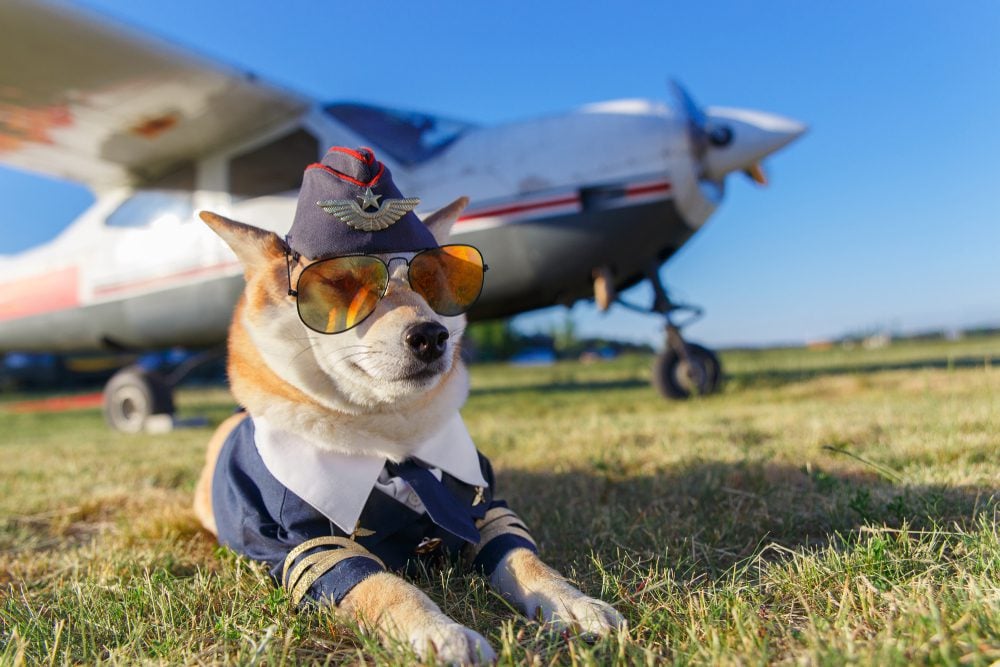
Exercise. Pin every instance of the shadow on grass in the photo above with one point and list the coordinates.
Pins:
(705, 517)
(740, 379)
(563, 385)
(782, 376)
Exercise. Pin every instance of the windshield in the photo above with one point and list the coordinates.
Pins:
(148, 207)
(409, 137)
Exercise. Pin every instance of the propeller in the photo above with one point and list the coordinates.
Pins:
(694, 118)
(704, 134)
(756, 173)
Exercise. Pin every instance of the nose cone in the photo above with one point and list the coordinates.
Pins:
(739, 138)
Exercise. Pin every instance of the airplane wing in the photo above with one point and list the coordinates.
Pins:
(91, 102)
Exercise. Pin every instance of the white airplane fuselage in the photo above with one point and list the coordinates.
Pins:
(615, 186)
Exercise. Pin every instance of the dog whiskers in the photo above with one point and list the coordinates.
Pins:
(351, 349)
(315, 345)
(356, 355)
(298, 354)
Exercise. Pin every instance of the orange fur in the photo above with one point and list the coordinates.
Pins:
(530, 570)
(251, 380)
(251, 244)
(384, 600)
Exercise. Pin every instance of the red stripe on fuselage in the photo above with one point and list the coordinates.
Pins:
(513, 209)
(521, 208)
(197, 272)
(54, 290)
(647, 189)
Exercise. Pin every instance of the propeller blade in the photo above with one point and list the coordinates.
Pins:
(694, 117)
(756, 173)
(691, 108)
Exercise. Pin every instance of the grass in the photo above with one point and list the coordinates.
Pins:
(828, 507)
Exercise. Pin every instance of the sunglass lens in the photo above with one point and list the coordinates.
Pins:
(450, 278)
(337, 294)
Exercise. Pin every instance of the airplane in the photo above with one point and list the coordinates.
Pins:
(580, 205)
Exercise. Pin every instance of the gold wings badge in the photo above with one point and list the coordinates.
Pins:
(355, 216)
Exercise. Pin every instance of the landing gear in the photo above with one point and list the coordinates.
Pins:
(136, 399)
(133, 396)
(683, 369)
(677, 377)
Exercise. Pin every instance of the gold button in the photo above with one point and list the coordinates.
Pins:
(427, 545)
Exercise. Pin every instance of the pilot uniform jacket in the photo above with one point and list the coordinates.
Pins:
(259, 517)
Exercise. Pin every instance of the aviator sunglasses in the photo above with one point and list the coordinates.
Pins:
(339, 293)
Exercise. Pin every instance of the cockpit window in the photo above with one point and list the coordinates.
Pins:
(407, 136)
(146, 207)
(274, 167)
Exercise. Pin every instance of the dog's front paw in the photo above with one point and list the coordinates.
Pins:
(438, 637)
(402, 614)
(561, 604)
(542, 592)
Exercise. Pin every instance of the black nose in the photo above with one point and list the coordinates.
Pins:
(427, 340)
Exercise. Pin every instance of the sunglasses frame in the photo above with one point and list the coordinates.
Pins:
(291, 255)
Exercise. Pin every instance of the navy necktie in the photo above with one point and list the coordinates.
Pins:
(442, 506)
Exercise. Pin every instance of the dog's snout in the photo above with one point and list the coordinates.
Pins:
(427, 340)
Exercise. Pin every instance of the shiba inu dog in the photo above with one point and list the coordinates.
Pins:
(351, 462)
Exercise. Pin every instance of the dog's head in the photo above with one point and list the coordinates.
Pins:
(402, 351)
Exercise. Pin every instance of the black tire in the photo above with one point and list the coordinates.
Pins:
(677, 380)
(132, 395)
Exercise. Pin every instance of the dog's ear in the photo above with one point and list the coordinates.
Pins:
(441, 221)
(254, 247)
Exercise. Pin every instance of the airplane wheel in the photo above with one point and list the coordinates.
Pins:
(132, 395)
(675, 378)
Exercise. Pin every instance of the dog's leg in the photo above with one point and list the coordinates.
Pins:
(399, 611)
(203, 492)
(538, 590)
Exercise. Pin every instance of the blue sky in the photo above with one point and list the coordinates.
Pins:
(885, 215)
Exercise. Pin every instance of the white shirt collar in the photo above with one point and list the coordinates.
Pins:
(338, 485)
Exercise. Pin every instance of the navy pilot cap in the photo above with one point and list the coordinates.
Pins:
(348, 204)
